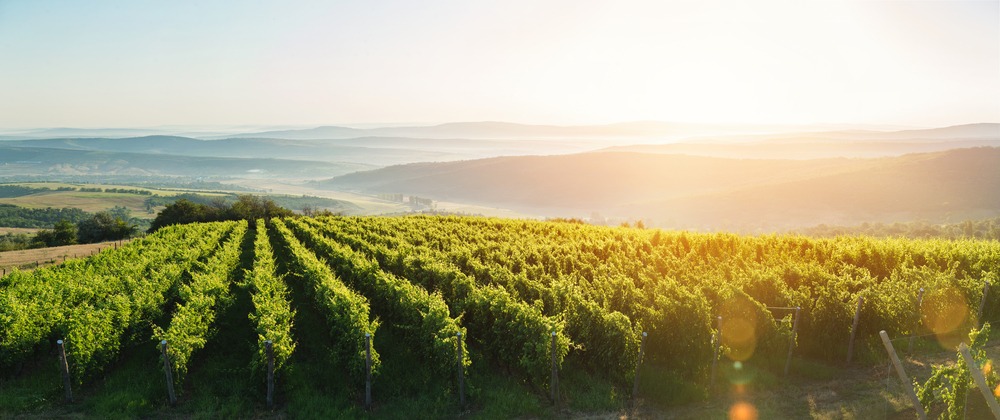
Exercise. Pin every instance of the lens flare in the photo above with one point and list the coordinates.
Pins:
(738, 328)
(943, 312)
(742, 411)
(740, 337)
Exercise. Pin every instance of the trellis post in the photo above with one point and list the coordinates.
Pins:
(791, 340)
(916, 319)
(902, 375)
(854, 329)
(64, 367)
(167, 372)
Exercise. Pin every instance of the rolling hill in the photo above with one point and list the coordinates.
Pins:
(20, 161)
(816, 145)
(706, 192)
(484, 130)
(377, 151)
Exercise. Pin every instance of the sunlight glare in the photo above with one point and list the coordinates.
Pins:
(738, 329)
(943, 312)
(742, 411)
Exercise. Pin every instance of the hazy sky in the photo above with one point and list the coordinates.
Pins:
(146, 63)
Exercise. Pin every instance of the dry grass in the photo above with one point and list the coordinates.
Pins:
(28, 259)
(29, 231)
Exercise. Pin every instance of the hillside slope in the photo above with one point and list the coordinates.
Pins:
(816, 145)
(690, 191)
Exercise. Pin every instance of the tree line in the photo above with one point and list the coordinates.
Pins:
(110, 225)
(246, 207)
(21, 217)
(969, 229)
(82, 227)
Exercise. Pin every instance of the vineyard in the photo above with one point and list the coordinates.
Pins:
(388, 316)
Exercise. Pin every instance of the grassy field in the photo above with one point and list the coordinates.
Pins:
(90, 201)
(87, 201)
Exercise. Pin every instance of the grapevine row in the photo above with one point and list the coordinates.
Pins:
(95, 303)
(346, 311)
(201, 298)
(662, 279)
(398, 300)
(515, 332)
(272, 314)
(610, 343)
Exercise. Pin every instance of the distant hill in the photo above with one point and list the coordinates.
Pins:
(980, 131)
(377, 151)
(966, 131)
(123, 132)
(817, 145)
(21, 161)
(244, 148)
(706, 192)
(807, 148)
(504, 130)
(88, 132)
(937, 187)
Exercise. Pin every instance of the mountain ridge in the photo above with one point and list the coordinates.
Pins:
(505, 130)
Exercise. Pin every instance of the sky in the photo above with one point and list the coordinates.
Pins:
(153, 63)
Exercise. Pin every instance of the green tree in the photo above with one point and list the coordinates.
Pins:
(246, 207)
(104, 227)
(121, 212)
(253, 207)
(64, 233)
(181, 212)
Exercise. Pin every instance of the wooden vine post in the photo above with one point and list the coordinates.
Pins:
(916, 319)
(791, 339)
(554, 381)
(902, 375)
(167, 372)
(461, 370)
(717, 341)
(368, 370)
(977, 376)
(638, 364)
(64, 367)
(269, 350)
(982, 303)
(854, 329)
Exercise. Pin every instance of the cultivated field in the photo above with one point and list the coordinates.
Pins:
(491, 318)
